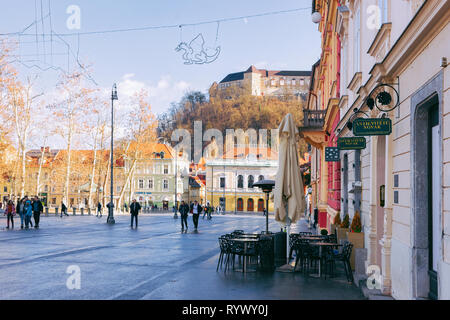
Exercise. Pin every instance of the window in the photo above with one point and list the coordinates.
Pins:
(281, 82)
(141, 184)
(222, 182)
(251, 180)
(118, 188)
(294, 82)
(150, 183)
(53, 200)
(302, 82)
(166, 169)
(272, 82)
(46, 176)
(240, 182)
(46, 188)
(383, 5)
(165, 184)
(5, 189)
(261, 178)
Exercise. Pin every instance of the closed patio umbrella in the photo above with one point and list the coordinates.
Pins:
(289, 200)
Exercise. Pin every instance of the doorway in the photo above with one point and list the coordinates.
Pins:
(250, 205)
(381, 183)
(427, 186)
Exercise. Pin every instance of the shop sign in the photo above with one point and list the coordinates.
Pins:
(353, 143)
(372, 127)
(332, 154)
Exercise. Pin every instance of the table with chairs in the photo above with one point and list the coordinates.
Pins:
(251, 249)
(315, 255)
(320, 253)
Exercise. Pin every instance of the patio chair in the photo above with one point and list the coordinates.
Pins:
(224, 252)
(344, 257)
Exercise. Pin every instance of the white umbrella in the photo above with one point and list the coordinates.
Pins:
(289, 200)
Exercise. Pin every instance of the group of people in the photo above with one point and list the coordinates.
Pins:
(195, 209)
(26, 208)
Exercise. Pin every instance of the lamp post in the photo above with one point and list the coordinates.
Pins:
(266, 186)
(110, 219)
(175, 216)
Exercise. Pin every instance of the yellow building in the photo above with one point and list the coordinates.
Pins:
(229, 179)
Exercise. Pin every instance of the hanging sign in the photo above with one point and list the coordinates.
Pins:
(353, 143)
(372, 127)
(332, 154)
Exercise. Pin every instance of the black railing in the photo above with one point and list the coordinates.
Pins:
(313, 118)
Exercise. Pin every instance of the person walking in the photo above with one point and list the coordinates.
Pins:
(206, 211)
(63, 209)
(184, 211)
(19, 209)
(38, 208)
(28, 212)
(10, 212)
(99, 209)
(196, 209)
(134, 209)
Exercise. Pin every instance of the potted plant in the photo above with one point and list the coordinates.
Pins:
(342, 230)
(355, 236)
(336, 223)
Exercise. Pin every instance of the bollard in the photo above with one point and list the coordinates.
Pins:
(82, 211)
(89, 211)
(46, 211)
(74, 211)
(56, 211)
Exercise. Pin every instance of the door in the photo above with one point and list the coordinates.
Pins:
(261, 205)
(381, 183)
(250, 205)
(240, 204)
(434, 234)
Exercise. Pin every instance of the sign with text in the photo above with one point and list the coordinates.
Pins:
(332, 154)
(372, 127)
(353, 143)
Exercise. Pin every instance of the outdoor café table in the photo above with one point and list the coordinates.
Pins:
(245, 241)
(321, 245)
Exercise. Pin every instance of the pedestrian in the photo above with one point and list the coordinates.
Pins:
(19, 209)
(99, 209)
(63, 209)
(38, 208)
(10, 212)
(174, 209)
(206, 211)
(196, 209)
(134, 209)
(28, 212)
(210, 211)
(184, 211)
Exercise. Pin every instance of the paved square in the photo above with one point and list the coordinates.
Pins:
(156, 261)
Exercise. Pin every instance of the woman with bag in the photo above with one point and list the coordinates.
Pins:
(10, 213)
(28, 213)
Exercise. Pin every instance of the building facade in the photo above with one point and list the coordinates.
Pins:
(270, 83)
(404, 176)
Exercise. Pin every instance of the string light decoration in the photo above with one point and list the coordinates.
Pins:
(194, 52)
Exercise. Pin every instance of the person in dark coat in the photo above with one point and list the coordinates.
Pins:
(38, 208)
(99, 209)
(134, 209)
(196, 209)
(63, 209)
(184, 211)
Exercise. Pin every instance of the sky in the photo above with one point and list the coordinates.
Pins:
(147, 58)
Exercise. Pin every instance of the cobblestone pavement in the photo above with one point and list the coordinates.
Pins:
(155, 261)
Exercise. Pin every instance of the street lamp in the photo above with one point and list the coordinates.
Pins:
(110, 219)
(266, 186)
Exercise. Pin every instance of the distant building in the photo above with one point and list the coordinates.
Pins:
(261, 82)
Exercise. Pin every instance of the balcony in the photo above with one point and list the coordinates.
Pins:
(313, 119)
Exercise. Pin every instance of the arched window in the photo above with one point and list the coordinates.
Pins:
(261, 178)
(240, 204)
(240, 183)
(250, 205)
(251, 180)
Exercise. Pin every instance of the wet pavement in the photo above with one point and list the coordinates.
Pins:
(155, 261)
